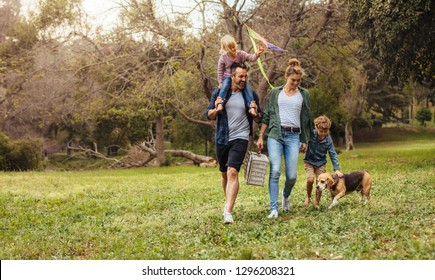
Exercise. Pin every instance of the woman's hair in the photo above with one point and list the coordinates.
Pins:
(322, 122)
(226, 42)
(294, 68)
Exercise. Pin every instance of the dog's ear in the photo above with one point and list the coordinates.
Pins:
(330, 182)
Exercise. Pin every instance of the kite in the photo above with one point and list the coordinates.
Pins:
(255, 36)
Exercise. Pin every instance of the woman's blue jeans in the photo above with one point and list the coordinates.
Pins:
(289, 147)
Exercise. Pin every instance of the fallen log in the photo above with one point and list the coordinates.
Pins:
(197, 159)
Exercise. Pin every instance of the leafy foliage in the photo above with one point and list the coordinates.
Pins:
(26, 155)
(400, 34)
(423, 115)
(119, 127)
(152, 73)
(21, 155)
(5, 149)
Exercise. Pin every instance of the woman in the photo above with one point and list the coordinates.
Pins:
(287, 123)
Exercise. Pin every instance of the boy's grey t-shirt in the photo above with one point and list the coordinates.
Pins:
(237, 120)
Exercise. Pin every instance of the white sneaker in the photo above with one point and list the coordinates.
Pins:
(228, 218)
(273, 214)
(285, 204)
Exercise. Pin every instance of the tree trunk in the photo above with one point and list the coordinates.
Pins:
(411, 112)
(197, 159)
(349, 136)
(160, 141)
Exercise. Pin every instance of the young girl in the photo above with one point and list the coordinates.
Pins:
(230, 55)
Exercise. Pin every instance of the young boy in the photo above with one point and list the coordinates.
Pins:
(315, 157)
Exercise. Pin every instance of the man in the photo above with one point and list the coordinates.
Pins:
(233, 129)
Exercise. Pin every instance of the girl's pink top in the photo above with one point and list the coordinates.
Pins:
(224, 63)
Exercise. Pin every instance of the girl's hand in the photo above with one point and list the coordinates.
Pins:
(218, 102)
(260, 50)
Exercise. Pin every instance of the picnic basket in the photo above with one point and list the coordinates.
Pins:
(256, 167)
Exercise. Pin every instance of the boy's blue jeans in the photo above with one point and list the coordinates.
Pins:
(226, 84)
(289, 147)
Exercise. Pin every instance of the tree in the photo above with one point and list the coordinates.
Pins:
(9, 13)
(398, 33)
(423, 115)
(37, 82)
(297, 26)
(386, 102)
(141, 82)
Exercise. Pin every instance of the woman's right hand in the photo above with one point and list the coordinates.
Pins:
(260, 144)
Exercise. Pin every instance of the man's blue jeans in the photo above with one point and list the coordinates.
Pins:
(289, 147)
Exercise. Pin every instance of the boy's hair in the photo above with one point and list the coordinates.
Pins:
(322, 122)
(227, 41)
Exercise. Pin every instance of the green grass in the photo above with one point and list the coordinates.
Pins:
(176, 213)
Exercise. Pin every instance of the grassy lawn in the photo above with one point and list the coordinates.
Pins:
(176, 213)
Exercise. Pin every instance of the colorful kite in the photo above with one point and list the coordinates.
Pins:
(255, 36)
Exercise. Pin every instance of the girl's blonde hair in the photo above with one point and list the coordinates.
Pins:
(294, 68)
(226, 42)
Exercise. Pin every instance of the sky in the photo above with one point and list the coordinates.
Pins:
(102, 12)
(105, 12)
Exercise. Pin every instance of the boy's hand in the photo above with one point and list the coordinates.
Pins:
(339, 174)
(303, 148)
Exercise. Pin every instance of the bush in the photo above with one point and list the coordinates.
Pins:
(423, 115)
(19, 156)
(5, 149)
(26, 155)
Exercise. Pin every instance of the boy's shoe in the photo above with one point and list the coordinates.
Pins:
(228, 218)
(285, 204)
(273, 214)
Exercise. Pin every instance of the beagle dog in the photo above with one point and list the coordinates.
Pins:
(359, 181)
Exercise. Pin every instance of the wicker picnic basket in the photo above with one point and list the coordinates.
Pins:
(256, 167)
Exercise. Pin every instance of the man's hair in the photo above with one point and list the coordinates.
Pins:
(236, 65)
(322, 122)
